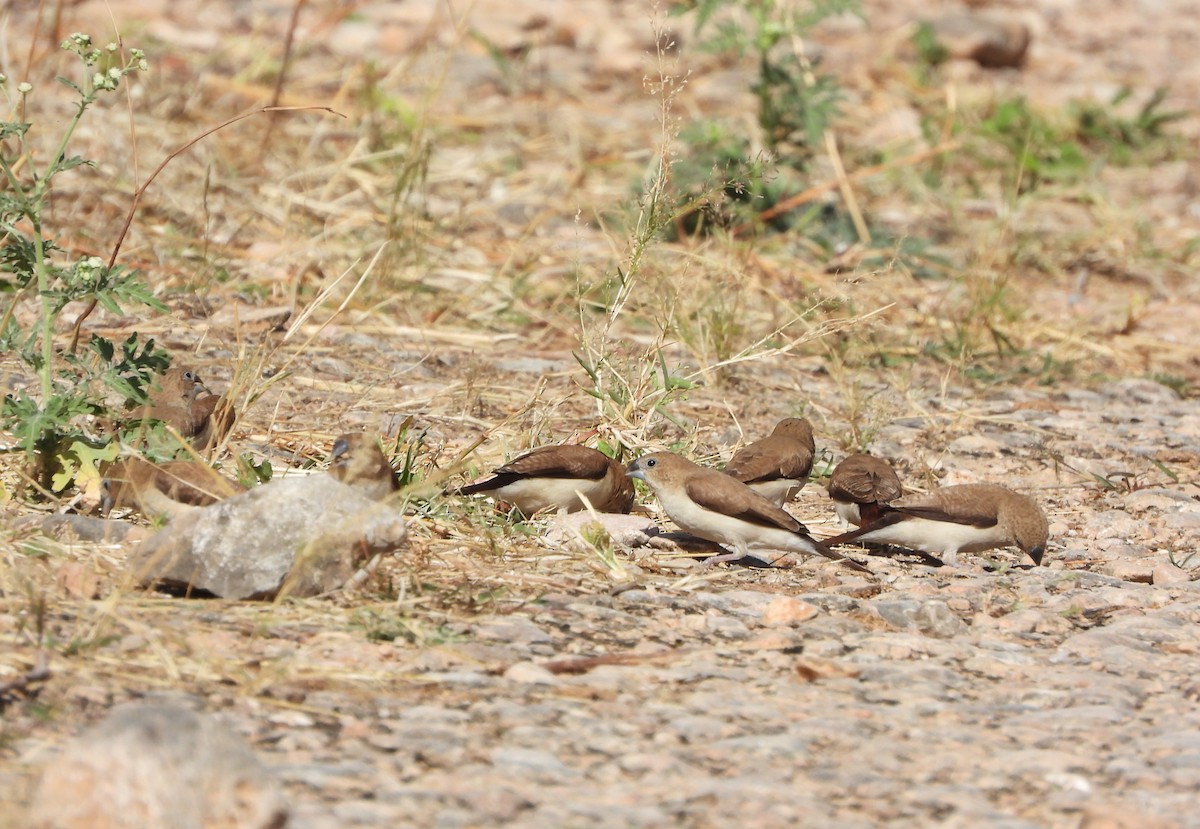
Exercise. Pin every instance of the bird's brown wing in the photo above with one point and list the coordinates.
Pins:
(957, 511)
(724, 494)
(863, 481)
(192, 483)
(566, 461)
(769, 459)
(212, 419)
(131, 481)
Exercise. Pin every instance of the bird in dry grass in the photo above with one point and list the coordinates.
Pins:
(180, 400)
(566, 478)
(163, 489)
(777, 466)
(357, 460)
(968, 518)
(860, 486)
(714, 506)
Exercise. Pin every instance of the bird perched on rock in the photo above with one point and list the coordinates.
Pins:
(163, 489)
(559, 478)
(860, 486)
(777, 466)
(180, 400)
(719, 508)
(356, 460)
(967, 518)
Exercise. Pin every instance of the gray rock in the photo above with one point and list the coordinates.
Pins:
(531, 761)
(1189, 520)
(67, 526)
(157, 766)
(977, 445)
(514, 629)
(932, 617)
(1141, 390)
(301, 536)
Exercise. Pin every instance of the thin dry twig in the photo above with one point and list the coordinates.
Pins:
(137, 194)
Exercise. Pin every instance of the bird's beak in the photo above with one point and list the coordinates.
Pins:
(635, 471)
(340, 447)
(1036, 554)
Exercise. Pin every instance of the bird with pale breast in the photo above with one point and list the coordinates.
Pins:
(778, 466)
(566, 478)
(180, 400)
(719, 508)
(968, 518)
(860, 486)
(165, 489)
(357, 460)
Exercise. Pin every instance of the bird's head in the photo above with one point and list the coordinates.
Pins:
(1030, 529)
(659, 468)
(357, 460)
(795, 428)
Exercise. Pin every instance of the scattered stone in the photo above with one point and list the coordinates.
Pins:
(786, 610)
(976, 445)
(72, 527)
(1145, 499)
(1169, 574)
(1141, 572)
(154, 766)
(932, 617)
(582, 528)
(530, 673)
(301, 536)
(513, 629)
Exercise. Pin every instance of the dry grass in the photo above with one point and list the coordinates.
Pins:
(447, 263)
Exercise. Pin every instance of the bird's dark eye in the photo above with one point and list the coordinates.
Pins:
(190, 376)
(651, 462)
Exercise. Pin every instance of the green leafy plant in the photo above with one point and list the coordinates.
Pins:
(1062, 147)
(47, 421)
(1123, 138)
(795, 102)
(722, 181)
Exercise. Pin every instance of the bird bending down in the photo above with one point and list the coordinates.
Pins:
(559, 478)
(860, 486)
(968, 518)
(778, 466)
(356, 460)
(714, 506)
(165, 489)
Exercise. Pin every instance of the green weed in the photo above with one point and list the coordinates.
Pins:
(48, 421)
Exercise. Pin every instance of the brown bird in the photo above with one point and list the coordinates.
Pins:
(719, 508)
(860, 486)
(163, 489)
(561, 478)
(356, 460)
(777, 466)
(967, 518)
(180, 400)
